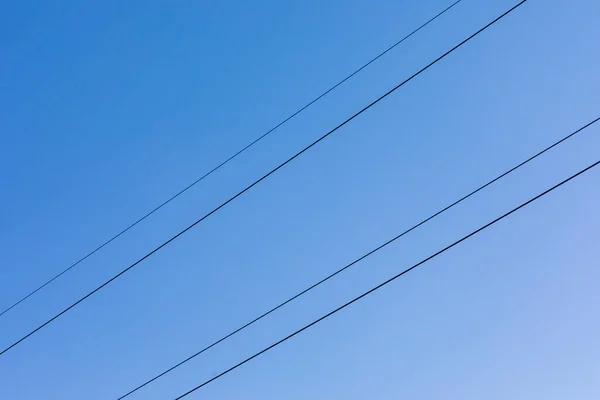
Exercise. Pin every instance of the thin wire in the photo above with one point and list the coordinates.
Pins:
(231, 157)
(264, 177)
(499, 177)
(389, 280)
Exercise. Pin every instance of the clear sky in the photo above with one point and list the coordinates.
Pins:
(107, 108)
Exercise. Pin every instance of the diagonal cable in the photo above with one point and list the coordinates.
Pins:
(389, 280)
(239, 152)
(289, 160)
(376, 249)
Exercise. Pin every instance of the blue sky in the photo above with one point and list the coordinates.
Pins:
(106, 109)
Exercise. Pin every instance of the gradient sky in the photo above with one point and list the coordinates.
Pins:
(107, 108)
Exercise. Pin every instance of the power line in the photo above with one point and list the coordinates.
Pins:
(262, 178)
(239, 152)
(360, 258)
(389, 280)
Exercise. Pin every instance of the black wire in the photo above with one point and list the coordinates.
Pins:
(360, 258)
(239, 152)
(389, 280)
(264, 177)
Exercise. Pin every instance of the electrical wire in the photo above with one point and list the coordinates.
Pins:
(263, 177)
(376, 249)
(239, 152)
(389, 280)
